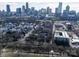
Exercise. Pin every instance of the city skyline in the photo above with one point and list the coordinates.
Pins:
(39, 28)
(39, 5)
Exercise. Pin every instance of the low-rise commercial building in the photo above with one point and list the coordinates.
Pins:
(61, 38)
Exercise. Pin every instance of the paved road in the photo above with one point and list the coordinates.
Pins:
(22, 40)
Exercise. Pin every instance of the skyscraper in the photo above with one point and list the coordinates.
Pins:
(27, 6)
(58, 10)
(72, 15)
(60, 7)
(23, 9)
(49, 11)
(66, 12)
(18, 11)
(8, 8)
(67, 8)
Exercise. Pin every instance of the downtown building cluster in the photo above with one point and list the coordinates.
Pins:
(67, 14)
(25, 10)
(42, 13)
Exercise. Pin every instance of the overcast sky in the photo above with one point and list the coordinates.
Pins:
(38, 4)
(39, 0)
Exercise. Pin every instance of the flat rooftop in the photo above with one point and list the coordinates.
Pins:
(62, 34)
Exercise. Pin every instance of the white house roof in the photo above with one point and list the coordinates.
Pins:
(62, 34)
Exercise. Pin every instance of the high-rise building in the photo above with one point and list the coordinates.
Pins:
(66, 12)
(58, 10)
(78, 16)
(67, 8)
(2, 13)
(43, 11)
(8, 8)
(60, 7)
(57, 14)
(49, 11)
(27, 6)
(23, 9)
(18, 11)
(32, 9)
(72, 15)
